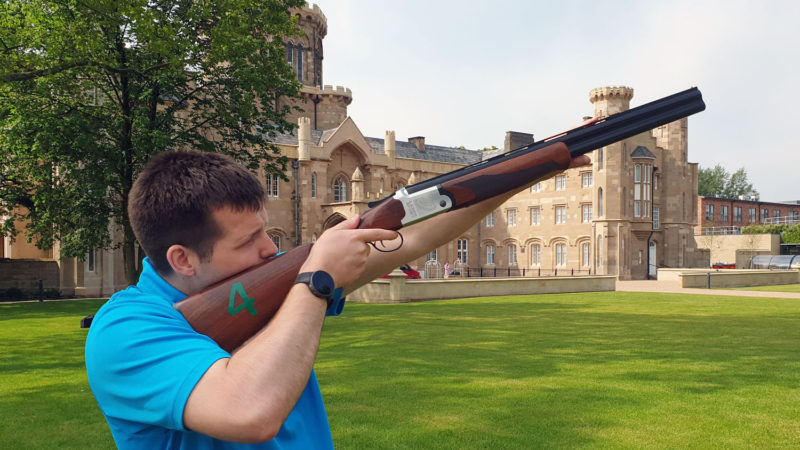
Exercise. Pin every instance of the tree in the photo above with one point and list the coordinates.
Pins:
(717, 182)
(91, 89)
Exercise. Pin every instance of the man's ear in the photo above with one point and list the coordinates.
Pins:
(182, 259)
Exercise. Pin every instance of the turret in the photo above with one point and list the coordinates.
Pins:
(610, 100)
(304, 139)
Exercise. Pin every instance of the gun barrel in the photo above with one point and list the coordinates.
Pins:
(597, 134)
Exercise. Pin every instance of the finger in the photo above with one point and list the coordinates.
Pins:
(375, 234)
(582, 160)
(348, 224)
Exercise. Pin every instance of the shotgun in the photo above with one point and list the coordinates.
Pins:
(260, 290)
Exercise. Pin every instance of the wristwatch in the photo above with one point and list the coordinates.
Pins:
(320, 283)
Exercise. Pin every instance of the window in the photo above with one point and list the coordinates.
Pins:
(512, 217)
(536, 255)
(300, 63)
(561, 214)
(776, 213)
(561, 182)
(90, 260)
(793, 215)
(655, 218)
(585, 254)
(764, 214)
(462, 250)
(490, 219)
(723, 213)
(490, 254)
(536, 215)
(586, 179)
(433, 256)
(586, 213)
(290, 53)
(737, 213)
(600, 202)
(536, 187)
(340, 190)
(752, 215)
(314, 185)
(512, 255)
(272, 185)
(641, 190)
(561, 255)
(710, 212)
(276, 239)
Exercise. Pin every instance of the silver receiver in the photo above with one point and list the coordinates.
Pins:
(422, 204)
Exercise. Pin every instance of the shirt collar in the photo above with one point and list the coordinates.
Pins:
(152, 283)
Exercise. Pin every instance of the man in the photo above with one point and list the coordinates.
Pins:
(200, 218)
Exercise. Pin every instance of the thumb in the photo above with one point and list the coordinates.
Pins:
(348, 224)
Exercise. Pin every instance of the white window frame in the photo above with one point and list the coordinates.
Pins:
(561, 182)
(273, 185)
(490, 254)
(561, 255)
(512, 255)
(511, 215)
(536, 255)
(561, 214)
(490, 219)
(587, 179)
(586, 213)
(536, 215)
(462, 246)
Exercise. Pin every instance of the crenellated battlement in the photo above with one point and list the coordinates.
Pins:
(312, 12)
(611, 93)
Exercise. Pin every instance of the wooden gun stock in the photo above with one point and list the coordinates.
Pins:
(235, 309)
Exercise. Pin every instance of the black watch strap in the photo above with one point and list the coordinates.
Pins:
(320, 283)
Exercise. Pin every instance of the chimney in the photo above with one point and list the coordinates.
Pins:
(516, 139)
(419, 141)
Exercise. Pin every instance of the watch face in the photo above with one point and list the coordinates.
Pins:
(322, 282)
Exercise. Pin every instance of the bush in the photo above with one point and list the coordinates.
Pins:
(12, 294)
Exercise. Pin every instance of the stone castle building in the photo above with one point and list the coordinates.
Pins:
(635, 204)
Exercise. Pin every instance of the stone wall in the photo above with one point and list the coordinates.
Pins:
(399, 290)
(24, 274)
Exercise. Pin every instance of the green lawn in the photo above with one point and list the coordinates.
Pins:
(612, 370)
(772, 288)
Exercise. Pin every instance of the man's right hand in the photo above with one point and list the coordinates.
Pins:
(342, 250)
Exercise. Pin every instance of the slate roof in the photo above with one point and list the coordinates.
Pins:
(403, 149)
(432, 152)
(642, 152)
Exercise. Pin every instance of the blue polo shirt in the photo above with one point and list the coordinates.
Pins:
(143, 359)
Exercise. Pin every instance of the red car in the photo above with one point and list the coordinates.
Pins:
(411, 274)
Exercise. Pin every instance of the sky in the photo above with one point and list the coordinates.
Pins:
(462, 73)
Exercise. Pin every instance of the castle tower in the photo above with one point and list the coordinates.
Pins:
(610, 100)
(325, 105)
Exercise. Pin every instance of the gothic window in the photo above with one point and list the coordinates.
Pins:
(599, 159)
(276, 239)
(314, 185)
(300, 63)
(585, 254)
(340, 189)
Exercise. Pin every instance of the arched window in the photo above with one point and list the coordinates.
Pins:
(276, 239)
(314, 185)
(600, 159)
(300, 63)
(289, 53)
(600, 202)
(340, 189)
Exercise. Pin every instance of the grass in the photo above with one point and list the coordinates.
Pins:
(772, 288)
(611, 370)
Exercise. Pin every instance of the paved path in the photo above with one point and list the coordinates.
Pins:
(675, 287)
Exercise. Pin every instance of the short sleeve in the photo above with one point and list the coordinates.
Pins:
(143, 360)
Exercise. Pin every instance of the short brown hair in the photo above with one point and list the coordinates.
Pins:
(173, 197)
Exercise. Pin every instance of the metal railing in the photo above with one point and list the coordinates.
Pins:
(787, 220)
(720, 231)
